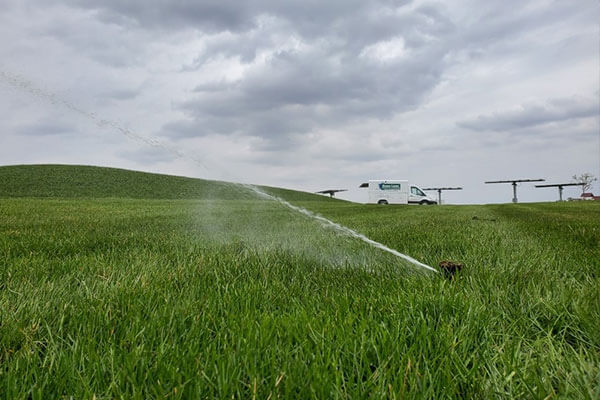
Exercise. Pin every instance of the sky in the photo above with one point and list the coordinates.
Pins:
(308, 95)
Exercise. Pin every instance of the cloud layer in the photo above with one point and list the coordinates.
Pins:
(308, 94)
(533, 115)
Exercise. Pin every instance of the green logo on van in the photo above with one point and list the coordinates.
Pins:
(389, 186)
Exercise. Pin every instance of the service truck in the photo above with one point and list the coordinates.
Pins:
(383, 191)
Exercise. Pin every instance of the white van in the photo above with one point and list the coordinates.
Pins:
(396, 192)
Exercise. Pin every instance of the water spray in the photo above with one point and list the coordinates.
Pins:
(340, 228)
(22, 84)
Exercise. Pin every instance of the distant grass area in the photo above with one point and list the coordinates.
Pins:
(77, 181)
(203, 298)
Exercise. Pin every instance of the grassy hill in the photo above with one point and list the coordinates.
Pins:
(122, 296)
(78, 181)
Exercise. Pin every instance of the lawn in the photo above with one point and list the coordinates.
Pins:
(118, 284)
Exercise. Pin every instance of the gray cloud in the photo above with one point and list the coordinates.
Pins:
(323, 65)
(352, 74)
(44, 127)
(122, 94)
(147, 155)
(227, 15)
(345, 33)
(532, 115)
(325, 62)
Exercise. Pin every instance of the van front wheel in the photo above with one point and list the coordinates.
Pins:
(382, 202)
(424, 203)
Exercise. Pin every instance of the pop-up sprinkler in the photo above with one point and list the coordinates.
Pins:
(450, 268)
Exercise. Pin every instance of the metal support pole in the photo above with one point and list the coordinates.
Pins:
(514, 184)
(560, 186)
(439, 190)
(560, 189)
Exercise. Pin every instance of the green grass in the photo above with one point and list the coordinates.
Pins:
(216, 294)
(77, 181)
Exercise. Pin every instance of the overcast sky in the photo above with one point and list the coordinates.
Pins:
(308, 94)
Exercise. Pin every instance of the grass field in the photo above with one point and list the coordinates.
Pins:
(118, 284)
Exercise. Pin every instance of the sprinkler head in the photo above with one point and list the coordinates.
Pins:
(450, 268)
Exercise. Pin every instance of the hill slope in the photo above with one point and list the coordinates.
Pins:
(77, 181)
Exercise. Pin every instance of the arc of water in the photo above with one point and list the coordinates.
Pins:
(340, 228)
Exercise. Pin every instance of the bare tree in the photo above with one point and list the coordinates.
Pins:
(586, 178)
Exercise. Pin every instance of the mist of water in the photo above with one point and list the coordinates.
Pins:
(340, 228)
(22, 84)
